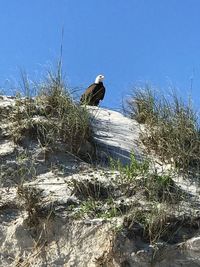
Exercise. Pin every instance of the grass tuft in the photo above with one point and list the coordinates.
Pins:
(52, 117)
(172, 127)
(139, 177)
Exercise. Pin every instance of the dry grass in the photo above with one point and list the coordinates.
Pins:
(52, 117)
(172, 127)
(31, 201)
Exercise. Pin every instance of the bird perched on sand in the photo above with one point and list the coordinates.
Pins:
(94, 93)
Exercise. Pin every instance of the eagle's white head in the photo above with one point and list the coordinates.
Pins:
(99, 78)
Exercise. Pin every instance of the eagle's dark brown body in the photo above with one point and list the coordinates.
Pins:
(93, 94)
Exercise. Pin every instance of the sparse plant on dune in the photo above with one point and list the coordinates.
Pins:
(172, 127)
(138, 176)
(31, 200)
(52, 116)
(143, 105)
(158, 217)
(130, 171)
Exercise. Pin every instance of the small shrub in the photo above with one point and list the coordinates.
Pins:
(88, 209)
(130, 171)
(31, 201)
(113, 209)
(106, 209)
(139, 177)
(161, 188)
(150, 224)
(91, 189)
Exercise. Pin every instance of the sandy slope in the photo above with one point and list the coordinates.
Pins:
(58, 241)
(116, 134)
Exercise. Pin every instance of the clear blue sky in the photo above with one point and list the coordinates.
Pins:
(129, 41)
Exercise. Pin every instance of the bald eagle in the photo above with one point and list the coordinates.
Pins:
(94, 93)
